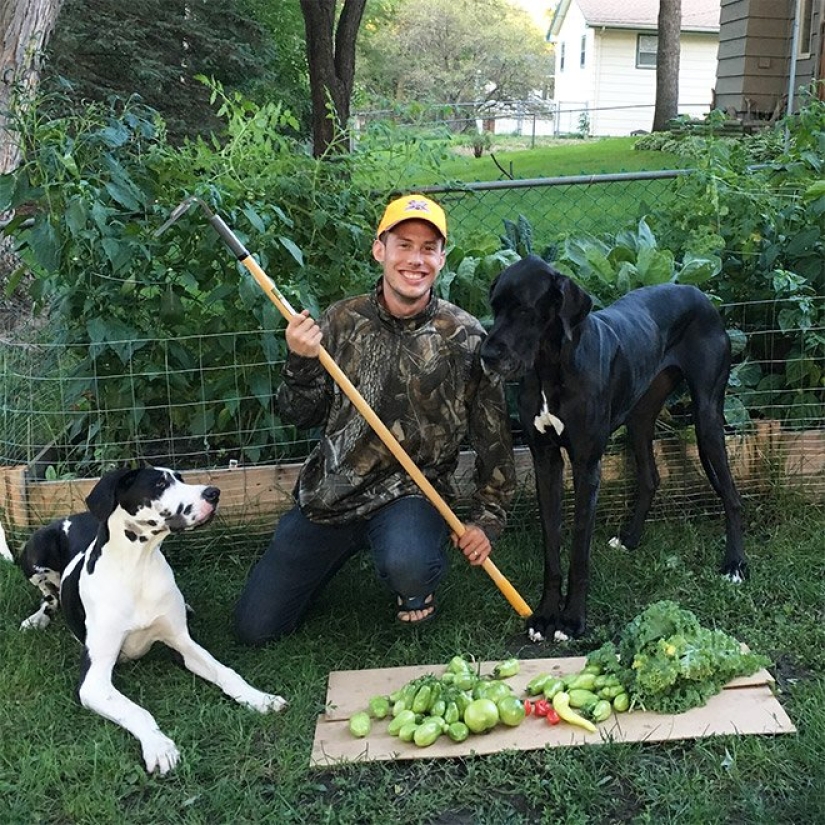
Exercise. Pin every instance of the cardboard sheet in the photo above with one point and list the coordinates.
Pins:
(745, 706)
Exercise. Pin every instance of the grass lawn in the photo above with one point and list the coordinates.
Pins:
(61, 764)
(554, 159)
(553, 211)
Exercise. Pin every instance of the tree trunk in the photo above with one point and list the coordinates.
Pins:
(25, 26)
(667, 64)
(331, 59)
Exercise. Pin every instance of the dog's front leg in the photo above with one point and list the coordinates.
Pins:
(549, 469)
(98, 694)
(202, 663)
(586, 482)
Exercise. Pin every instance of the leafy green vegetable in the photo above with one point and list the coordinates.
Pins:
(669, 663)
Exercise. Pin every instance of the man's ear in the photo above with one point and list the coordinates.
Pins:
(378, 250)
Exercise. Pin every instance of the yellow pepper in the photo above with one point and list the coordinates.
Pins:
(561, 704)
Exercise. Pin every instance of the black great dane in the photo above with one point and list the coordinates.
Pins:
(584, 374)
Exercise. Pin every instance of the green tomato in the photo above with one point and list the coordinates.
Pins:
(466, 680)
(621, 703)
(580, 698)
(458, 731)
(511, 710)
(601, 710)
(360, 724)
(427, 732)
(379, 707)
(490, 689)
(509, 667)
(407, 731)
(481, 715)
(458, 664)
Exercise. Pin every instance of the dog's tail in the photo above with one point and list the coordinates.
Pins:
(5, 552)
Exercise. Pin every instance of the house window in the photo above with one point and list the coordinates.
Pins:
(805, 24)
(583, 50)
(561, 57)
(647, 46)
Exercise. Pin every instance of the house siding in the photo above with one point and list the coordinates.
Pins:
(619, 98)
(575, 86)
(755, 39)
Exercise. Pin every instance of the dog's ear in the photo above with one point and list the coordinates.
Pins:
(575, 305)
(103, 498)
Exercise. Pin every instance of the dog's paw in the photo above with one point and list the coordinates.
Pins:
(159, 753)
(535, 635)
(616, 544)
(542, 629)
(736, 572)
(264, 702)
(37, 621)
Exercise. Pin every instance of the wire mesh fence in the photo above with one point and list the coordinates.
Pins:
(63, 422)
(556, 206)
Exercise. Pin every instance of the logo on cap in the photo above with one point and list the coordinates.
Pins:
(413, 207)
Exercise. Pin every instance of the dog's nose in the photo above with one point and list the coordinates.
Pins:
(212, 494)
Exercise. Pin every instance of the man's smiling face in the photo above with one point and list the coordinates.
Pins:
(412, 254)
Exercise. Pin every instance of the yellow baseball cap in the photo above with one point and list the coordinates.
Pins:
(413, 207)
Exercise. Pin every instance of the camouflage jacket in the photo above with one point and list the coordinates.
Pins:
(422, 376)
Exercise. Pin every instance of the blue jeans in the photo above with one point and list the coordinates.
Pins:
(408, 542)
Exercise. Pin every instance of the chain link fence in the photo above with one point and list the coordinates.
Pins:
(50, 450)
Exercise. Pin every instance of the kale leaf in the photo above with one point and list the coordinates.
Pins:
(669, 663)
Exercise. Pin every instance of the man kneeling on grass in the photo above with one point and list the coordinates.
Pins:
(415, 359)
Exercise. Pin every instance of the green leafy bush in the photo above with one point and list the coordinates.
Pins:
(169, 341)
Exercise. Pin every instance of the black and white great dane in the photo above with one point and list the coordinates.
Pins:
(118, 593)
(584, 374)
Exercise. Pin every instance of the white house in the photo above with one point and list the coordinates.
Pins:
(606, 63)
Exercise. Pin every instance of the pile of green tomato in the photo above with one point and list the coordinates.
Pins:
(457, 703)
(461, 701)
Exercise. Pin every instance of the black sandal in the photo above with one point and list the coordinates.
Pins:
(415, 603)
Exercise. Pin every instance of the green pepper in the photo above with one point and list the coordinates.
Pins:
(552, 687)
(536, 685)
(408, 693)
(582, 681)
(451, 712)
(360, 724)
(438, 708)
(398, 707)
(509, 667)
(462, 700)
(421, 700)
(406, 716)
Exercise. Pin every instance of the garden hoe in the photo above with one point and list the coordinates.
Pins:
(283, 306)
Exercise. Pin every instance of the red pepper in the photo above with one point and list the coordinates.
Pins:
(553, 717)
(541, 706)
(528, 707)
